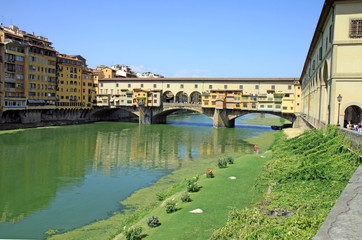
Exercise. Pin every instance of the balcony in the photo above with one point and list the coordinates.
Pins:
(10, 89)
(10, 80)
(14, 97)
(278, 99)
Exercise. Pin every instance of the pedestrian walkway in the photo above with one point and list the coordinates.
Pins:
(345, 219)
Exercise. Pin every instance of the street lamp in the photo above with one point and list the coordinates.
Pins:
(339, 99)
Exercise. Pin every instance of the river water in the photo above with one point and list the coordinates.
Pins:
(66, 177)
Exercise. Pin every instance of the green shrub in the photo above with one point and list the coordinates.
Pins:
(186, 197)
(133, 233)
(210, 173)
(191, 185)
(161, 196)
(171, 206)
(230, 160)
(222, 163)
(153, 222)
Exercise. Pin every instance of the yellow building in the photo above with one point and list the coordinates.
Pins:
(87, 89)
(220, 99)
(332, 74)
(69, 90)
(30, 74)
(41, 85)
(108, 72)
(96, 75)
(139, 97)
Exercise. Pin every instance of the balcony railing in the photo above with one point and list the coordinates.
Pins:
(10, 80)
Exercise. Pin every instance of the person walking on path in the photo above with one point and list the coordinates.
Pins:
(255, 148)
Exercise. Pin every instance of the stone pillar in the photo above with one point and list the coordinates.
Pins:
(30, 116)
(221, 119)
(145, 115)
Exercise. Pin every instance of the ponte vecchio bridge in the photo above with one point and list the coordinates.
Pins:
(221, 99)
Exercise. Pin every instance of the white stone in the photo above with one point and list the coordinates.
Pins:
(262, 156)
(197, 211)
(233, 178)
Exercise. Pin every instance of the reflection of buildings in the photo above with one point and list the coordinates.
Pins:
(162, 146)
(35, 164)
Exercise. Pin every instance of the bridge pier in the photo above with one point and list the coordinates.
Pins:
(146, 116)
(221, 119)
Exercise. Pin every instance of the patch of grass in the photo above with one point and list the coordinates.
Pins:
(307, 175)
(216, 198)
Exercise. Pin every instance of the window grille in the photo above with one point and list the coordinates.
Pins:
(355, 29)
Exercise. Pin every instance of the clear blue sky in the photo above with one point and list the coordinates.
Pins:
(188, 38)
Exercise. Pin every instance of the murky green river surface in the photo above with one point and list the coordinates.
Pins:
(66, 177)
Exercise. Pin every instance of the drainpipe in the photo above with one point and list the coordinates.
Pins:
(320, 86)
(331, 70)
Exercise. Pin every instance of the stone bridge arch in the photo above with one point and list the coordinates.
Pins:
(160, 115)
(106, 113)
(168, 97)
(289, 116)
(181, 97)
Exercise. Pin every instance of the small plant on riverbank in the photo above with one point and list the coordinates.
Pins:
(133, 233)
(153, 222)
(171, 206)
(222, 163)
(191, 185)
(210, 173)
(51, 232)
(186, 197)
(230, 160)
(161, 196)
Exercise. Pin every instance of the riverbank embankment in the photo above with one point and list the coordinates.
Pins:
(306, 175)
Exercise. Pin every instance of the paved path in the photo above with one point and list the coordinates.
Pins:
(293, 132)
(345, 219)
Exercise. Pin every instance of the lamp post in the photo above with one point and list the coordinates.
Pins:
(339, 99)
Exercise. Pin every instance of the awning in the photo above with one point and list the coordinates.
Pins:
(117, 100)
(111, 100)
(36, 101)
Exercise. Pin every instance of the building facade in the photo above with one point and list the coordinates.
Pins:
(28, 70)
(281, 94)
(69, 89)
(332, 73)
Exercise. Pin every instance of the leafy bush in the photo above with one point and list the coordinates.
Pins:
(153, 222)
(161, 196)
(191, 185)
(210, 173)
(222, 163)
(133, 233)
(186, 197)
(230, 160)
(171, 206)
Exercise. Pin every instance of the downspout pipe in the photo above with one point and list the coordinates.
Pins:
(331, 70)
